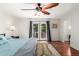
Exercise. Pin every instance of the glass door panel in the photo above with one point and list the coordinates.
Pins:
(35, 31)
(39, 30)
(43, 32)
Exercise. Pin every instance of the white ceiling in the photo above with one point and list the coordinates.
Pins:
(14, 9)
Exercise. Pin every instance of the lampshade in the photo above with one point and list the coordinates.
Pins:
(12, 28)
(69, 27)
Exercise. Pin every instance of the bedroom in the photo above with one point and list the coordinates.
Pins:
(15, 24)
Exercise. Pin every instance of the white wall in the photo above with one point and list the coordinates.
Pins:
(55, 32)
(75, 29)
(64, 31)
(5, 22)
(22, 26)
(72, 18)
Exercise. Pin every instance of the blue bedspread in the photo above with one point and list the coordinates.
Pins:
(13, 45)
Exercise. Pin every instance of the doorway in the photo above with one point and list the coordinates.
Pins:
(39, 30)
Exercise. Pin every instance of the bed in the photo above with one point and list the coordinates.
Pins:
(18, 47)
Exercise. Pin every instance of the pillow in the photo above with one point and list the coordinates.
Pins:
(3, 40)
(8, 38)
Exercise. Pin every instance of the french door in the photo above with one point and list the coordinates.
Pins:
(39, 30)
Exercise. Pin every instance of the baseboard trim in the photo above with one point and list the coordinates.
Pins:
(74, 48)
(53, 41)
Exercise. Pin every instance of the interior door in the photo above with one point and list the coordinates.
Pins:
(39, 30)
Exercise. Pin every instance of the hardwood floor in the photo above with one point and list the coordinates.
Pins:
(74, 52)
(64, 48)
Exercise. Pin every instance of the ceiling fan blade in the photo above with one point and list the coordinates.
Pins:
(27, 9)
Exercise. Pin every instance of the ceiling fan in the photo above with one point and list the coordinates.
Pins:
(37, 8)
(40, 8)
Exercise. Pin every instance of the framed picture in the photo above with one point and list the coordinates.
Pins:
(54, 26)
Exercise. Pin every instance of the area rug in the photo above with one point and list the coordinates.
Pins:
(46, 49)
